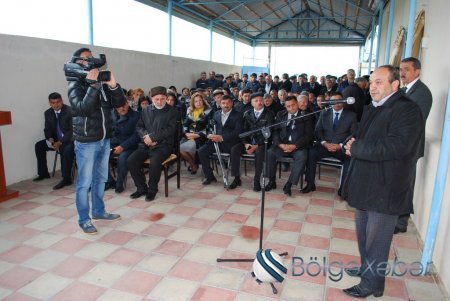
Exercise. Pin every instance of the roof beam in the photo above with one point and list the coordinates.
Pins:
(357, 14)
(347, 2)
(239, 16)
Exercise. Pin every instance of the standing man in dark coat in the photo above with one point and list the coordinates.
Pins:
(380, 179)
(58, 137)
(156, 128)
(421, 95)
(228, 124)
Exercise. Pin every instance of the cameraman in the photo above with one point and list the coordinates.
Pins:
(91, 103)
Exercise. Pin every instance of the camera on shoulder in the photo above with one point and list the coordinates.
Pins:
(78, 68)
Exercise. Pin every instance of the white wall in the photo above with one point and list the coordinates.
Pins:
(435, 73)
(31, 69)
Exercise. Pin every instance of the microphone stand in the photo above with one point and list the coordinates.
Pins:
(265, 131)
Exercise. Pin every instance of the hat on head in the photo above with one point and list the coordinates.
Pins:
(159, 90)
(293, 77)
(217, 92)
(257, 94)
(229, 77)
(254, 75)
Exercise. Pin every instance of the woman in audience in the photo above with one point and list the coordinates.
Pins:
(197, 118)
(144, 102)
(185, 96)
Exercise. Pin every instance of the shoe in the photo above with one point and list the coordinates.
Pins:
(193, 172)
(256, 186)
(40, 178)
(137, 194)
(399, 230)
(271, 185)
(107, 216)
(119, 189)
(88, 227)
(109, 185)
(309, 188)
(358, 292)
(287, 189)
(208, 181)
(353, 272)
(150, 196)
(236, 182)
(62, 184)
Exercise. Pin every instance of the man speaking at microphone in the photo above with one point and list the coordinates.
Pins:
(332, 128)
(380, 179)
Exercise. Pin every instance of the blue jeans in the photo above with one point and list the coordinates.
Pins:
(92, 162)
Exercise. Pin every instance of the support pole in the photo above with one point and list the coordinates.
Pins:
(380, 27)
(210, 40)
(269, 63)
(410, 33)
(438, 192)
(169, 13)
(387, 53)
(254, 50)
(371, 45)
(91, 23)
(234, 48)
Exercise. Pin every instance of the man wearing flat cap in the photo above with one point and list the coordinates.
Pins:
(254, 119)
(156, 129)
(217, 97)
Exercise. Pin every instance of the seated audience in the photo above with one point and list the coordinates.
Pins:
(332, 129)
(271, 105)
(254, 119)
(244, 105)
(123, 142)
(156, 129)
(228, 123)
(58, 137)
(195, 124)
(144, 101)
(290, 139)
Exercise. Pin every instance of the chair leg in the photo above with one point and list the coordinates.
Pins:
(166, 181)
(279, 170)
(320, 165)
(178, 176)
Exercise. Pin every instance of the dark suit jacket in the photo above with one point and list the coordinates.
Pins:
(65, 123)
(302, 134)
(266, 118)
(286, 85)
(316, 89)
(231, 129)
(421, 95)
(352, 90)
(346, 126)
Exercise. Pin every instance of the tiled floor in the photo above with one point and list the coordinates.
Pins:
(44, 255)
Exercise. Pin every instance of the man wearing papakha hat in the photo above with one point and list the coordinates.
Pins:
(254, 119)
(156, 128)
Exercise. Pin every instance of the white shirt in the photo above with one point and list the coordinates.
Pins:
(408, 86)
(255, 112)
(225, 116)
(290, 116)
(381, 102)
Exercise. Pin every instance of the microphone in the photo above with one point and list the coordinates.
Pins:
(349, 100)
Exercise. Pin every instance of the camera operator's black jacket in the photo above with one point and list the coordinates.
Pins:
(91, 112)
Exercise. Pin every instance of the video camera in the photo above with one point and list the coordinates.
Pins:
(74, 70)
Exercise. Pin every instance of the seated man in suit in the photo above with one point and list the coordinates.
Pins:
(58, 137)
(229, 124)
(290, 139)
(254, 144)
(156, 128)
(333, 127)
(123, 142)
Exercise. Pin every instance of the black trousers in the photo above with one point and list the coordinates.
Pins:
(67, 153)
(134, 162)
(237, 151)
(318, 152)
(374, 232)
(205, 151)
(299, 157)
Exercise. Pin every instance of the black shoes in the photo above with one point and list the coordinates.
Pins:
(309, 188)
(257, 186)
(271, 185)
(359, 292)
(208, 181)
(109, 185)
(287, 189)
(40, 178)
(119, 189)
(236, 182)
(138, 194)
(353, 272)
(150, 196)
(62, 184)
(399, 230)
